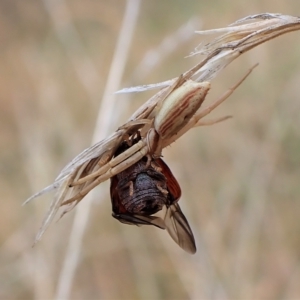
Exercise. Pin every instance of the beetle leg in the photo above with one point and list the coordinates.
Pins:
(130, 183)
(127, 139)
(163, 191)
(126, 183)
(156, 167)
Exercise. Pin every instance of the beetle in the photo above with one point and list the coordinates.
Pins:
(144, 189)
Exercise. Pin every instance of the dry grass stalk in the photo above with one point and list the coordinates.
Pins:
(97, 162)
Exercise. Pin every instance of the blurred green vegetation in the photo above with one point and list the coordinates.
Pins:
(240, 179)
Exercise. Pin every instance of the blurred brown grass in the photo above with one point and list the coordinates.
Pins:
(240, 179)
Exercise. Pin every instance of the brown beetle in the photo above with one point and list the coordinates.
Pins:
(144, 189)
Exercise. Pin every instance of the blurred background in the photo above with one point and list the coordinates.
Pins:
(240, 178)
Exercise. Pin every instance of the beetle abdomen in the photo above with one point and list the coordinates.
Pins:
(147, 197)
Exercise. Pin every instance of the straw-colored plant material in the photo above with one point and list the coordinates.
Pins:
(97, 163)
